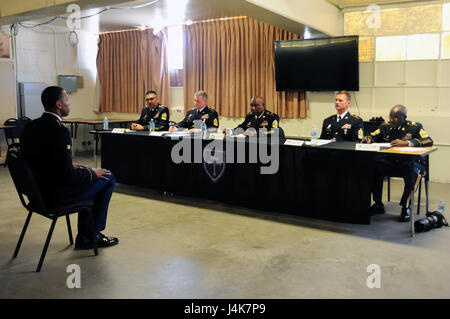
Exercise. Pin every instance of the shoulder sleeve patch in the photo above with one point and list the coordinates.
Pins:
(423, 134)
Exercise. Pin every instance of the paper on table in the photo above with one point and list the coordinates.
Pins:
(319, 142)
(159, 133)
(383, 144)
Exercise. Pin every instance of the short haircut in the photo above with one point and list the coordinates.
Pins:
(151, 92)
(202, 94)
(346, 93)
(50, 96)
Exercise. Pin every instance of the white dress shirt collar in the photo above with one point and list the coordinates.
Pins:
(57, 116)
(342, 115)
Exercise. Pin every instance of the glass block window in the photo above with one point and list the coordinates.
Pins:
(393, 21)
(445, 52)
(366, 47)
(422, 47)
(391, 48)
(446, 17)
(422, 19)
(356, 23)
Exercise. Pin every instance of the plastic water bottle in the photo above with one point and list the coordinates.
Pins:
(105, 123)
(314, 135)
(152, 126)
(204, 129)
(441, 206)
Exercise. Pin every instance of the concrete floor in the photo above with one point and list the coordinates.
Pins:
(174, 247)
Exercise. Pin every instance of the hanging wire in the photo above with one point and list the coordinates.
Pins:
(73, 36)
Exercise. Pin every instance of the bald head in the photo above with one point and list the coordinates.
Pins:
(257, 105)
(397, 115)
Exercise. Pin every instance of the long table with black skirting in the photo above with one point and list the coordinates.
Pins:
(326, 182)
(330, 182)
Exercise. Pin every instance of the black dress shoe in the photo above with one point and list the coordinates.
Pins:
(377, 209)
(104, 241)
(84, 242)
(405, 216)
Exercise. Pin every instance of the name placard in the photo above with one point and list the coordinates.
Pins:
(294, 142)
(367, 147)
(217, 136)
(118, 130)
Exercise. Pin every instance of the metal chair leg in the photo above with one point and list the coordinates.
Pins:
(389, 189)
(418, 198)
(69, 229)
(24, 229)
(93, 232)
(47, 242)
(426, 194)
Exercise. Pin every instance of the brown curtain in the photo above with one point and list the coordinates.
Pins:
(129, 63)
(233, 60)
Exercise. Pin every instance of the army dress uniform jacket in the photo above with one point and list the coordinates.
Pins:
(209, 115)
(160, 116)
(350, 128)
(46, 146)
(267, 120)
(412, 131)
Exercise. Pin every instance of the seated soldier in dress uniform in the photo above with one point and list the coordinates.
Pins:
(258, 118)
(342, 126)
(200, 112)
(399, 132)
(47, 148)
(152, 110)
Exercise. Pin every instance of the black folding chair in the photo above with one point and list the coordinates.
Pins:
(27, 188)
(15, 132)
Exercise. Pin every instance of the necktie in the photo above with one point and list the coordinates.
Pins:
(338, 118)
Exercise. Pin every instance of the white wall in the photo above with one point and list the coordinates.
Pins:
(8, 100)
(45, 53)
(317, 14)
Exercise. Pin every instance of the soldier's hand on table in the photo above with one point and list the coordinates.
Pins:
(366, 140)
(79, 165)
(250, 132)
(172, 129)
(398, 143)
(194, 130)
(137, 127)
(102, 173)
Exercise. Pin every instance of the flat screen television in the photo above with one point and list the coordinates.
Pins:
(325, 64)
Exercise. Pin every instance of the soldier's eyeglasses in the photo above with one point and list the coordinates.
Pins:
(150, 99)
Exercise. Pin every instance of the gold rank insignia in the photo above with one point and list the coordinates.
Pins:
(206, 116)
(249, 123)
(275, 124)
(360, 134)
(164, 116)
(423, 134)
(215, 123)
(403, 128)
(68, 147)
(375, 132)
(190, 115)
